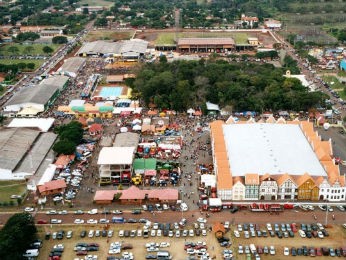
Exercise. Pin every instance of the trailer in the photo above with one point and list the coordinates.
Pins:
(266, 207)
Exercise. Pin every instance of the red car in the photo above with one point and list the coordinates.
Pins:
(82, 253)
(42, 221)
(55, 257)
(294, 227)
(94, 244)
(318, 251)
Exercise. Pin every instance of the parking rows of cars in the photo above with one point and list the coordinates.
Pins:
(197, 250)
(56, 252)
(83, 248)
(315, 251)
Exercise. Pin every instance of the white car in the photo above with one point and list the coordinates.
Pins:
(236, 233)
(51, 212)
(171, 234)
(92, 221)
(103, 221)
(91, 233)
(272, 250)
(204, 232)
(201, 225)
(191, 233)
(302, 233)
(92, 212)
(190, 251)
(177, 233)
(240, 249)
(139, 232)
(62, 212)
(155, 226)
(159, 233)
(202, 220)
(226, 225)
(153, 233)
(240, 228)
(320, 234)
(29, 209)
(184, 207)
(69, 234)
(341, 208)
(79, 221)
(121, 233)
(286, 251)
(165, 244)
(55, 221)
(269, 227)
(165, 207)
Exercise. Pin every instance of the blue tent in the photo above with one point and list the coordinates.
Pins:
(343, 65)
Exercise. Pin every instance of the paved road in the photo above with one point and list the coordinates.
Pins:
(288, 216)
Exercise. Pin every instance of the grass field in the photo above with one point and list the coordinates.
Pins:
(335, 84)
(97, 2)
(26, 49)
(37, 63)
(168, 38)
(108, 35)
(8, 188)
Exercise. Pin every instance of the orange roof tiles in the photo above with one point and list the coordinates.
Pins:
(238, 179)
(251, 179)
(64, 160)
(303, 178)
(284, 178)
(322, 155)
(52, 185)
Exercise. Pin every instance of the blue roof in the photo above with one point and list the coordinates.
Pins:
(343, 65)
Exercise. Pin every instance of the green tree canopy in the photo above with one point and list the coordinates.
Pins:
(179, 85)
(64, 147)
(47, 50)
(31, 36)
(59, 40)
(72, 132)
(16, 236)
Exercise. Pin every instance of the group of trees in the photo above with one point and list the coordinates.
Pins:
(27, 36)
(16, 236)
(70, 135)
(28, 50)
(244, 86)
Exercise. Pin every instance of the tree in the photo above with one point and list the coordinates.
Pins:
(31, 36)
(13, 49)
(59, 40)
(64, 147)
(101, 22)
(85, 10)
(30, 66)
(47, 50)
(28, 49)
(16, 236)
(72, 131)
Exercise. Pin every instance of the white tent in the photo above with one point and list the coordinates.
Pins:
(190, 111)
(136, 128)
(123, 129)
(136, 121)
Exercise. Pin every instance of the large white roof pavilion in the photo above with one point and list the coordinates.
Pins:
(270, 148)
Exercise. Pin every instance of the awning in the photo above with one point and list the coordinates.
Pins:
(150, 172)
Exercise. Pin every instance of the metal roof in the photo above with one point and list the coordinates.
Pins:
(73, 64)
(40, 93)
(14, 143)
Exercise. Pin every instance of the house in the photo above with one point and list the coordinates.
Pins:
(253, 41)
(268, 189)
(115, 163)
(249, 20)
(95, 129)
(335, 191)
(64, 160)
(238, 188)
(307, 189)
(52, 187)
(251, 186)
(272, 24)
(52, 32)
(287, 188)
(136, 196)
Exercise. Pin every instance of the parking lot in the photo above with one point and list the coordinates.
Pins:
(108, 237)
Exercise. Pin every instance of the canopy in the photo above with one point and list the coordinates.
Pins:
(136, 128)
(190, 111)
(136, 121)
(123, 129)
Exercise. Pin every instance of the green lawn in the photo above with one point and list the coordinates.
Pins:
(108, 35)
(32, 49)
(8, 188)
(168, 38)
(339, 87)
(96, 2)
(37, 63)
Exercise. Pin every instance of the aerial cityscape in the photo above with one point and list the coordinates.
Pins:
(185, 130)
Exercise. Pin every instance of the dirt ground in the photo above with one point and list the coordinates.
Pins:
(336, 239)
(176, 244)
